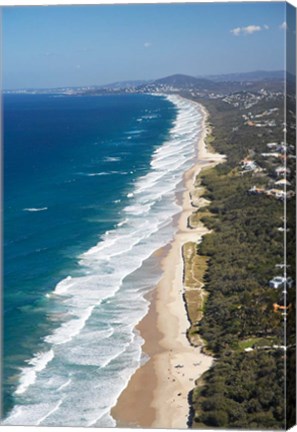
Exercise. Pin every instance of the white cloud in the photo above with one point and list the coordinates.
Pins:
(236, 31)
(147, 44)
(266, 27)
(251, 29)
(248, 30)
(283, 26)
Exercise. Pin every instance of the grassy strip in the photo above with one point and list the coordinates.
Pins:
(194, 296)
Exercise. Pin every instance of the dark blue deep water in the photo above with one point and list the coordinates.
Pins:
(76, 197)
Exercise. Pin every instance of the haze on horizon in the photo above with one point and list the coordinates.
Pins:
(59, 46)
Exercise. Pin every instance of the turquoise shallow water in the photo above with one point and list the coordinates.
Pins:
(89, 186)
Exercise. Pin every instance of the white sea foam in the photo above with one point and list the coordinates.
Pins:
(105, 173)
(123, 222)
(33, 209)
(63, 286)
(150, 116)
(134, 132)
(65, 384)
(69, 329)
(52, 411)
(36, 364)
(100, 310)
(112, 159)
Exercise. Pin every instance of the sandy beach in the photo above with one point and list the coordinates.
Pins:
(157, 394)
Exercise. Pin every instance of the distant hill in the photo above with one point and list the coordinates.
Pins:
(247, 76)
(180, 82)
(124, 84)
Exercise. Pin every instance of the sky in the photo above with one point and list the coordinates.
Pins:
(57, 46)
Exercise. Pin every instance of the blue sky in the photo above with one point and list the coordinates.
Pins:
(85, 45)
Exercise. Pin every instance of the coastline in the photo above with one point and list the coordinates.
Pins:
(157, 394)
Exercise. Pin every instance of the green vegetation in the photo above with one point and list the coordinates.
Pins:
(244, 389)
(291, 259)
(230, 398)
(244, 248)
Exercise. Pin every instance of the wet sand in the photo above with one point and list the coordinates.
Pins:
(157, 394)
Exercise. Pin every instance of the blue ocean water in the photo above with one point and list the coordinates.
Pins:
(89, 195)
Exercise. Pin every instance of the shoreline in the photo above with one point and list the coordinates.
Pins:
(157, 394)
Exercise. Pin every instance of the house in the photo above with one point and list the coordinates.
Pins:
(248, 165)
(277, 282)
(270, 155)
(282, 148)
(277, 193)
(277, 307)
(281, 170)
(255, 191)
(280, 282)
(282, 229)
(272, 145)
(283, 182)
(282, 347)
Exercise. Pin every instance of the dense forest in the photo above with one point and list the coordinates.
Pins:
(241, 326)
(291, 260)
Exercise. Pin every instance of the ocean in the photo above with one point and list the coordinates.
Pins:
(89, 195)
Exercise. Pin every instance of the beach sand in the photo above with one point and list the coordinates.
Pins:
(157, 394)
